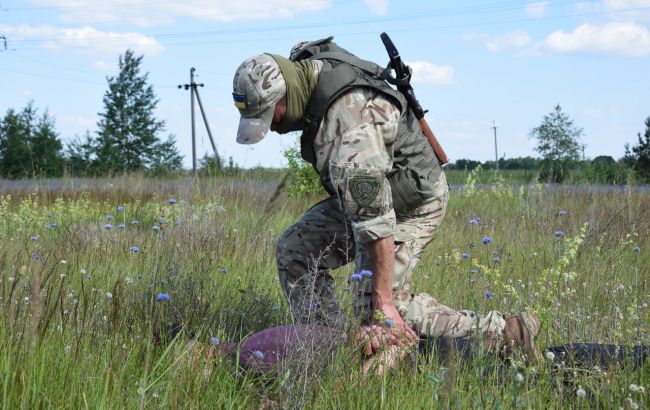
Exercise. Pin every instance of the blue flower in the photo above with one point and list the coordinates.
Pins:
(120, 208)
(171, 201)
(559, 233)
(390, 323)
(162, 221)
(496, 259)
(35, 238)
(162, 297)
(488, 294)
(486, 240)
(636, 249)
(365, 273)
(474, 221)
(177, 223)
(355, 277)
(108, 226)
(472, 280)
(134, 249)
(467, 255)
(562, 212)
(223, 270)
(155, 228)
(121, 226)
(275, 308)
(36, 256)
(258, 355)
(54, 225)
(215, 340)
(473, 271)
(134, 222)
(109, 217)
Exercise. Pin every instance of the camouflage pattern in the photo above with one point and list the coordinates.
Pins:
(258, 85)
(428, 317)
(354, 155)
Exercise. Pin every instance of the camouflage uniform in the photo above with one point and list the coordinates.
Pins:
(354, 140)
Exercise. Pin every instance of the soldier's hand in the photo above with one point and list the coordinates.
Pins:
(394, 321)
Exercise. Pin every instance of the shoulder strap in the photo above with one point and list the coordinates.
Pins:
(365, 65)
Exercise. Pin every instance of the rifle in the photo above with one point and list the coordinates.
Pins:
(402, 81)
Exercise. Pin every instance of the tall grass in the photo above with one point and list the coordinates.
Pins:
(81, 326)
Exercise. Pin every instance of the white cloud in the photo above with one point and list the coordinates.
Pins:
(377, 6)
(84, 39)
(611, 38)
(536, 9)
(431, 74)
(157, 13)
(102, 65)
(26, 93)
(80, 121)
(515, 39)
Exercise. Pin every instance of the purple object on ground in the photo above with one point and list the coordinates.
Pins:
(275, 344)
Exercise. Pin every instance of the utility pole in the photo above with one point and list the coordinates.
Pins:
(193, 87)
(496, 155)
(4, 40)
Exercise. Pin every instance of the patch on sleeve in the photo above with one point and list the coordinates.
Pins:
(364, 189)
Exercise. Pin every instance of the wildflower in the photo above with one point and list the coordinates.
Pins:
(121, 226)
(162, 297)
(581, 393)
(496, 259)
(275, 308)
(120, 208)
(36, 256)
(223, 270)
(54, 225)
(82, 271)
(636, 388)
(128, 281)
(215, 340)
(365, 273)
(258, 355)
(134, 249)
(355, 277)
(635, 250)
(474, 221)
(486, 240)
(472, 280)
(62, 276)
(390, 323)
(519, 378)
(488, 294)
(559, 233)
(473, 271)
(161, 221)
(171, 201)
(562, 212)
(134, 222)
(109, 217)
(34, 238)
(467, 255)
(109, 295)
(108, 226)
(177, 223)
(155, 228)
(550, 355)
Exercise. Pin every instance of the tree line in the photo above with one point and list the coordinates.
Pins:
(128, 136)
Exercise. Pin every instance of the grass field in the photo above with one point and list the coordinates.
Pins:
(82, 264)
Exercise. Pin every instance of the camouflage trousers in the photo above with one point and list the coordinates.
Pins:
(428, 317)
(323, 240)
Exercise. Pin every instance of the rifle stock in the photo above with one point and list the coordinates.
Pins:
(433, 141)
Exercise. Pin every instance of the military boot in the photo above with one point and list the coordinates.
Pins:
(519, 333)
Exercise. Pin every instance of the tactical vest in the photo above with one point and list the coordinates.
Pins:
(415, 165)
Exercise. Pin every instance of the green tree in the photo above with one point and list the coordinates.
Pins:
(165, 157)
(127, 138)
(29, 144)
(558, 144)
(638, 156)
(79, 155)
(303, 179)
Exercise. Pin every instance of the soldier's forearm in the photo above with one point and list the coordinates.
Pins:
(382, 257)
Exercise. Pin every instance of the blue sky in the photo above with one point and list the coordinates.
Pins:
(474, 62)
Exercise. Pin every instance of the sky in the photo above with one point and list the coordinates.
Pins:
(476, 64)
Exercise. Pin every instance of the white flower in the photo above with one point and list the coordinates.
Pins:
(580, 392)
(62, 276)
(519, 378)
(550, 355)
(63, 261)
(83, 271)
(637, 389)
(109, 295)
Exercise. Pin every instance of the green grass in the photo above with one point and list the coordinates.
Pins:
(81, 328)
